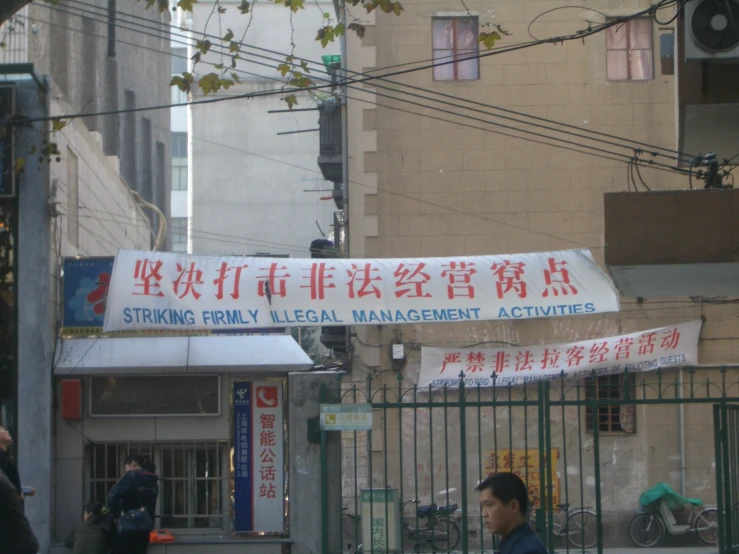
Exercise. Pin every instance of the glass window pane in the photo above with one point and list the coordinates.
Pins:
(468, 70)
(616, 37)
(444, 72)
(129, 396)
(641, 65)
(179, 60)
(443, 34)
(640, 34)
(617, 65)
(467, 34)
(179, 145)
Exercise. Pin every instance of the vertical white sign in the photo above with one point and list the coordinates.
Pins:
(268, 450)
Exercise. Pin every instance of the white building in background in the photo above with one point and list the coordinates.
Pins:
(180, 203)
(248, 184)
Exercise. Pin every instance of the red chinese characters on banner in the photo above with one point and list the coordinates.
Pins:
(186, 280)
(501, 361)
(670, 339)
(509, 278)
(557, 279)
(360, 281)
(475, 362)
(320, 279)
(599, 352)
(410, 280)
(550, 359)
(623, 348)
(453, 358)
(575, 356)
(225, 272)
(524, 361)
(274, 281)
(646, 344)
(148, 277)
(460, 279)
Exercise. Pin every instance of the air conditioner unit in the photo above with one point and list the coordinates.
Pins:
(712, 30)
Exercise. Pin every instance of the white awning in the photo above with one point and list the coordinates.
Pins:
(180, 355)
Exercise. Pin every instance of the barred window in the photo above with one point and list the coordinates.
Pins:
(613, 418)
(192, 480)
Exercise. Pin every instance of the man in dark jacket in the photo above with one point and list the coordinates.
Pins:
(135, 489)
(15, 531)
(504, 502)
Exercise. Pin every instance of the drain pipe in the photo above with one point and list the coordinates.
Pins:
(681, 432)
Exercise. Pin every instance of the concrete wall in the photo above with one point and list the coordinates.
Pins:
(70, 43)
(247, 183)
(421, 187)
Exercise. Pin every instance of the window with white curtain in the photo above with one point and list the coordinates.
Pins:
(455, 40)
(629, 51)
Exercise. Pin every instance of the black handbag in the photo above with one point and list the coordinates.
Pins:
(136, 521)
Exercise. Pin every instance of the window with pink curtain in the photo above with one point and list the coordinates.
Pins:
(629, 51)
(455, 40)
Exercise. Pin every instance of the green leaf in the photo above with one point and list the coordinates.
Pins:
(326, 15)
(283, 68)
(294, 5)
(180, 83)
(228, 36)
(225, 83)
(397, 8)
(234, 47)
(209, 83)
(203, 45)
(196, 57)
(235, 78)
(221, 10)
(290, 59)
(186, 4)
(290, 101)
(357, 28)
(219, 66)
(20, 164)
(340, 29)
(58, 124)
(489, 39)
(244, 7)
(304, 66)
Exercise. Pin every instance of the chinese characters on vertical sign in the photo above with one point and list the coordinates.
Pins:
(165, 290)
(672, 346)
(527, 465)
(259, 476)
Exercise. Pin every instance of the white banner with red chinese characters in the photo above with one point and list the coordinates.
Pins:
(672, 346)
(163, 290)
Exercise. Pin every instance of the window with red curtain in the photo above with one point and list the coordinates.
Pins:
(455, 40)
(629, 51)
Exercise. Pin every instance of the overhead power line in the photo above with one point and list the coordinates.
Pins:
(608, 153)
(559, 39)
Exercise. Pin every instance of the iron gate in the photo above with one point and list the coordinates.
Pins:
(559, 436)
(726, 426)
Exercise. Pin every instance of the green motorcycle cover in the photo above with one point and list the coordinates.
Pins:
(664, 492)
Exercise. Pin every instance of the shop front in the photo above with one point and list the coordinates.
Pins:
(211, 412)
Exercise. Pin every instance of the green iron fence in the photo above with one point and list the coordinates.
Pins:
(586, 448)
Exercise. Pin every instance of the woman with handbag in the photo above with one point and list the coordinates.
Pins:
(132, 501)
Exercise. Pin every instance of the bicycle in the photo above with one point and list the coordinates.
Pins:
(578, 524)
(649, 528)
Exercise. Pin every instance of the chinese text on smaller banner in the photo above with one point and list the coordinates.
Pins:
(527, 465)
(164, 290)
(259, 476)
(644, 351)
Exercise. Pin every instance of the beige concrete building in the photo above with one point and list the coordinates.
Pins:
(420, 186)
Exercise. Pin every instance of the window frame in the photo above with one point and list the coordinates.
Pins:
(179, 164)
(186, 234)
(627, 32)
(157, 449)
(455, 51)
(610, 411)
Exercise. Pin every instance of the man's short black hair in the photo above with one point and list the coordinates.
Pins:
(138, 459)
(506, 487)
